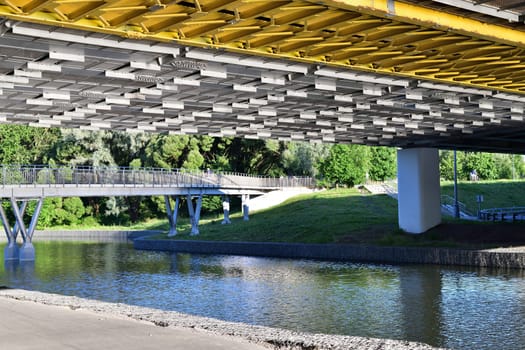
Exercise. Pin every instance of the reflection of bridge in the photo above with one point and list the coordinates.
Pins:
(35, 183)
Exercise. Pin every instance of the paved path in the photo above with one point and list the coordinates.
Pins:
(28, 325)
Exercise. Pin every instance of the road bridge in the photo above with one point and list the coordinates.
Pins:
(417, 75)
(21, 185)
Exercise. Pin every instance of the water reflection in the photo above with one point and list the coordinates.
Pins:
(457, 308)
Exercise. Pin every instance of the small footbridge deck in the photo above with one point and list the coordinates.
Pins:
(22, 184)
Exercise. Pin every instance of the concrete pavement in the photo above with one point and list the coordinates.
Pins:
(28, 325)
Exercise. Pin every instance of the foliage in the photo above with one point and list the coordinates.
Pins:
(483, 163)
(59, 211)
(487, 165)
(301, 158)
(345, 165)
(382, 164)
(25, 145)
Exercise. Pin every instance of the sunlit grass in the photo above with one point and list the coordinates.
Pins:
(496, 194)
(321, 217)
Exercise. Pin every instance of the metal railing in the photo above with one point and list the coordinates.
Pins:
(495, 214)
(449, 203)
(42, 175)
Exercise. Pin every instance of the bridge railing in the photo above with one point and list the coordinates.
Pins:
(41, 175)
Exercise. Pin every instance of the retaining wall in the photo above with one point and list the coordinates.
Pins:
(396, 255)
(87, 235)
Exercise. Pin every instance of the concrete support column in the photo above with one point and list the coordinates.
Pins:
(196, 218)
(226, 210)
(27, 251)
(172, 214)
(246, 207)
(11, 251)
(419, 194)
(195, 214)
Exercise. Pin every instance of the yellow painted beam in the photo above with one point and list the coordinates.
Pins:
(386, 37)
(410, 13)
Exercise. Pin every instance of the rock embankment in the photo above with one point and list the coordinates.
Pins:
(271, 338)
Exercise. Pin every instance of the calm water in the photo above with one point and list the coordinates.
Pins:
(456, 308)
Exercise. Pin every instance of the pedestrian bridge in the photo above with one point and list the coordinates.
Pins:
(23, 184)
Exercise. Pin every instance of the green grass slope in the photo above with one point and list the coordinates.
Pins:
(496, 194)
(340, 215)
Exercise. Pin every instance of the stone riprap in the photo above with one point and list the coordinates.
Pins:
(272, 338)
(500, 258)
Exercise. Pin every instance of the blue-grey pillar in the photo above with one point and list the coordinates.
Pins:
(226, 210)
(419, 193)
(11, 250)
(196, 217)
(246, 207)
(172, 214)
(27, 250)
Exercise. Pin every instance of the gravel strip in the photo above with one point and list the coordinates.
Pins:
(273, 338)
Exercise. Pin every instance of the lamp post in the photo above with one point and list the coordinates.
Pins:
(456, 203)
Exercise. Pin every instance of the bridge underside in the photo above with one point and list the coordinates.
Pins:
(332, 71)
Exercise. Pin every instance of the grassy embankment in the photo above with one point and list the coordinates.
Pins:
(342, 216)
(348, 216)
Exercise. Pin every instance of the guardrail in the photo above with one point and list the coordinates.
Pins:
(495, 214)
(449, 202)
(41, 175)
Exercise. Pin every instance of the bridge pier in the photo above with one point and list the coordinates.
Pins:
(195, 213)
(27, 251)
(245, 207)
(419, 202)
(172, 214)
(226, 210)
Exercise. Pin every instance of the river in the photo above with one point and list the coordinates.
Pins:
(459, 308)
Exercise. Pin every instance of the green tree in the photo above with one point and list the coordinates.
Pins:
(383, 163)
(21, 144)
(301, 158)
(345, 165)
(261, 157)
(446, 165)
(483, 163)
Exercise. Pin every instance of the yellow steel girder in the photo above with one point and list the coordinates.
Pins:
(388, 37)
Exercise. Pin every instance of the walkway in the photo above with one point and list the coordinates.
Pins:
(29, 325)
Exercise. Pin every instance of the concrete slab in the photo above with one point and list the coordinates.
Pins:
(28, 325)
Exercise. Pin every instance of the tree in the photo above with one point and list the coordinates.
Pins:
(483, 163)
(21, 144)
(345, 165)
(446, 165)
(382, 163)
(301, 158)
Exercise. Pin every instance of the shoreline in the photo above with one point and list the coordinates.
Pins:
(493, 258)
(272, 338)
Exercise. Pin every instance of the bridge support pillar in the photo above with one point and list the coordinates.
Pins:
(26, 252)
(226, 210)
(195, 213)
(11, 251)
(172, 214)
(245, 207)
(419, 201)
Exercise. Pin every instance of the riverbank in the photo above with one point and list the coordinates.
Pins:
(494, 258)
(67, 320)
